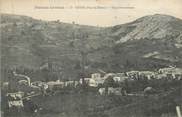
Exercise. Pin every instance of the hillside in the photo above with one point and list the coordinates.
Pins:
(154, 38)
(149, 42)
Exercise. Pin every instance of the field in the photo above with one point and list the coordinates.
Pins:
(91, 104)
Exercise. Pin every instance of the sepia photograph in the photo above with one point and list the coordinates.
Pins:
(91, 58)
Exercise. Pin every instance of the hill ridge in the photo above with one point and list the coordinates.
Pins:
(29, 42)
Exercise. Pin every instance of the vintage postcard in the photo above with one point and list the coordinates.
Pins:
(91, 58)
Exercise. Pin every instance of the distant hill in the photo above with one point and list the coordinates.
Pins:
(153, 26)
(149, 42)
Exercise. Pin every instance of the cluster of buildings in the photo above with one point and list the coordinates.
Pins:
(15, 99)
(96, 80)
(171, 72)
(167, 73)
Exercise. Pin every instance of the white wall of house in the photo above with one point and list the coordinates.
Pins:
(95, 75)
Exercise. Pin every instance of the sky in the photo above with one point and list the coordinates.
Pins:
(91, 12)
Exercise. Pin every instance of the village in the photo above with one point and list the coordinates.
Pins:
(103, 84)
